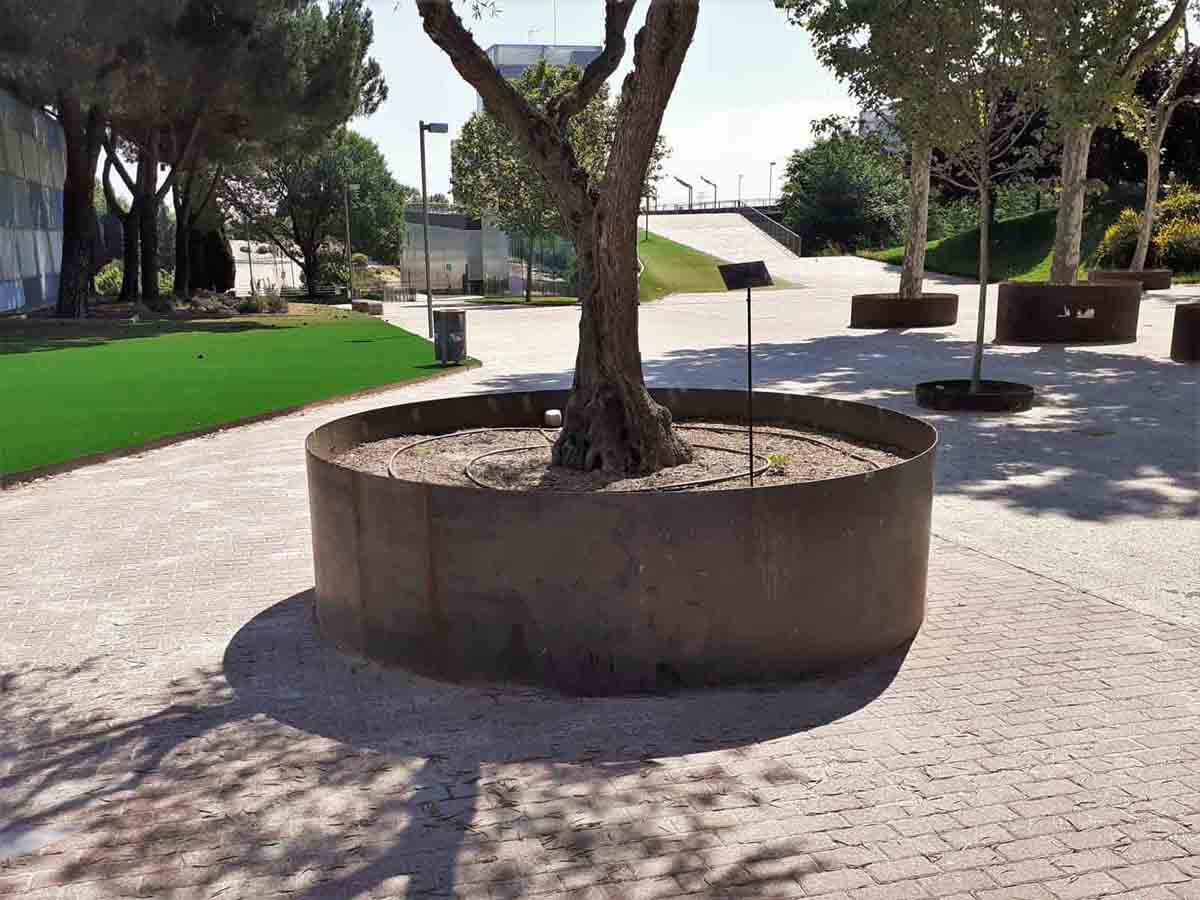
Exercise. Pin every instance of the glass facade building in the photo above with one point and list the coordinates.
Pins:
(511, 60)
(32, 169)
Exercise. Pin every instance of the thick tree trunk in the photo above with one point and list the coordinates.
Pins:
(912, 275)
(81, 134)
(1153, 176)
(312, 268)
(131, 224)
(1068, 231)
(183, 259)
(149, 224)
(610, 422)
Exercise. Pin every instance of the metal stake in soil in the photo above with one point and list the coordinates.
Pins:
(747, 275)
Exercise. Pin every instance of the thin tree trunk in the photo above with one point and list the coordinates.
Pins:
(311, 270)
(1068, 230)
(81, 134)
(912, 275)
(985, 272)
(610, 422)
(131, 223)
(183, 257)
(528, 268)
(1153, 175)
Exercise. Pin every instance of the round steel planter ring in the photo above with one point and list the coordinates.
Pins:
(954, 395)
(1038, 313)
(1149, 279)
(614, 593)
(891, 311)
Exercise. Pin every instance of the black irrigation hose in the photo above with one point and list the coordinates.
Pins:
(699, 482)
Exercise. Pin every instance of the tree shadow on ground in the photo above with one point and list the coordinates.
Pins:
(1114, 434)
(379, 780)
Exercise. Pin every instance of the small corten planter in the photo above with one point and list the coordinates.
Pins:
(1039, 313)
(610, 593)
(1149, 279)
(954, 395)
(1185, 336)
(892, 311)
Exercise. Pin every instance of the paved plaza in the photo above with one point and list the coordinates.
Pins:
(171, 726)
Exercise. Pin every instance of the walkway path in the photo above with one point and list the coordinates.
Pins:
(170, 726)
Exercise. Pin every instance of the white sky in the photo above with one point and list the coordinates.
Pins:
(746, 96)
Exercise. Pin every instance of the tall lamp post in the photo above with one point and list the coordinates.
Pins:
(771, 185)
(739, 189)
(713, 185)
(432, 128)
(350, 189)
(686, 185)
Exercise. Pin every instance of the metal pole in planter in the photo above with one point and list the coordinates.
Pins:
(433, 128)
(747, 275)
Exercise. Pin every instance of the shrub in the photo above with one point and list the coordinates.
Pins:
(108, 279)
(1177, 245)
(166, 283)
(1180, 203)
(359, 259)
(1120, 240)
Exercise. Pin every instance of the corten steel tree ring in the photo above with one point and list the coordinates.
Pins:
(955, 395)
(612, 593)
(1185, 335)
(1039, 313)
(893, 311)
(1149, 279)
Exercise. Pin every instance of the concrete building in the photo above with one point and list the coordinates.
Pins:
(511, 60)
(466, 255)
(32, 169)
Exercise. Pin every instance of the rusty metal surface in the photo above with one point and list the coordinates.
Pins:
(1185, 335)
(615, 593)
(890, 311)
(1098, 312)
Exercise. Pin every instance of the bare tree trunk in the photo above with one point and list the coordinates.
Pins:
(81, 134)
(985, 273)
(311, 269)
(610, 422)
(131, 223)
(1153, 176)
(529, 268)
(1068, 231)
(149, 224)
(183, 257)
(912, 275)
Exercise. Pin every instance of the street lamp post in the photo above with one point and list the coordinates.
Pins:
(350, 189)
(739, 189)
(713, 185)
(686, 185)
(771, 185)
(432, 128)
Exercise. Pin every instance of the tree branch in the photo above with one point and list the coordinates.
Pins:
(212, 189)
(1142, 52)
(179, 158)
(110, 153)
(616, 17)
(541, 139)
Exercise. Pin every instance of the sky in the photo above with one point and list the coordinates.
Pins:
(749, 89)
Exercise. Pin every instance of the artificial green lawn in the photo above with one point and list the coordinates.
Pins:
(671, 268)
(73, 389)
(1022, 247)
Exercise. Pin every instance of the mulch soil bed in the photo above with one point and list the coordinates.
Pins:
(784, 455)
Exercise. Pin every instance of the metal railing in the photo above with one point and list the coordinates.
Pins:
(733, 205)
(781, 234)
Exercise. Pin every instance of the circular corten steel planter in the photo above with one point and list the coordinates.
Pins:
(890, 311)
(1185, 336)
(1039, 313)
(617, 593)
(954, 395)
(1149, 279)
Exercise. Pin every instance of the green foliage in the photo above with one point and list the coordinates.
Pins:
(359, 259)
(492, 177)
(108, 279)
(1180, 203)
(1177, 245)
(1120, 240)
(778, 463)
(166, 282)
(331, 268)
(845, 190)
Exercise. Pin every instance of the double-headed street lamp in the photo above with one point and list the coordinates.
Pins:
(433, 128)
(771, 185)
(713, 185)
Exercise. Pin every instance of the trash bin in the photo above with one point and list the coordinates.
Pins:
(450, 335)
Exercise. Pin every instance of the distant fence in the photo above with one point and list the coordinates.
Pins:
(779, 233)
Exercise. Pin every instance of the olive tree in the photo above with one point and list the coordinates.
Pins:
(610, 421)
(1096, 52)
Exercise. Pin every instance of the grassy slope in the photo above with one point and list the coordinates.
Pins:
(672, 268)
(1022, 248)
(76, 388)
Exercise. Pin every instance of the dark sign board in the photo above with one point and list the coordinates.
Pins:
(745, 275)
